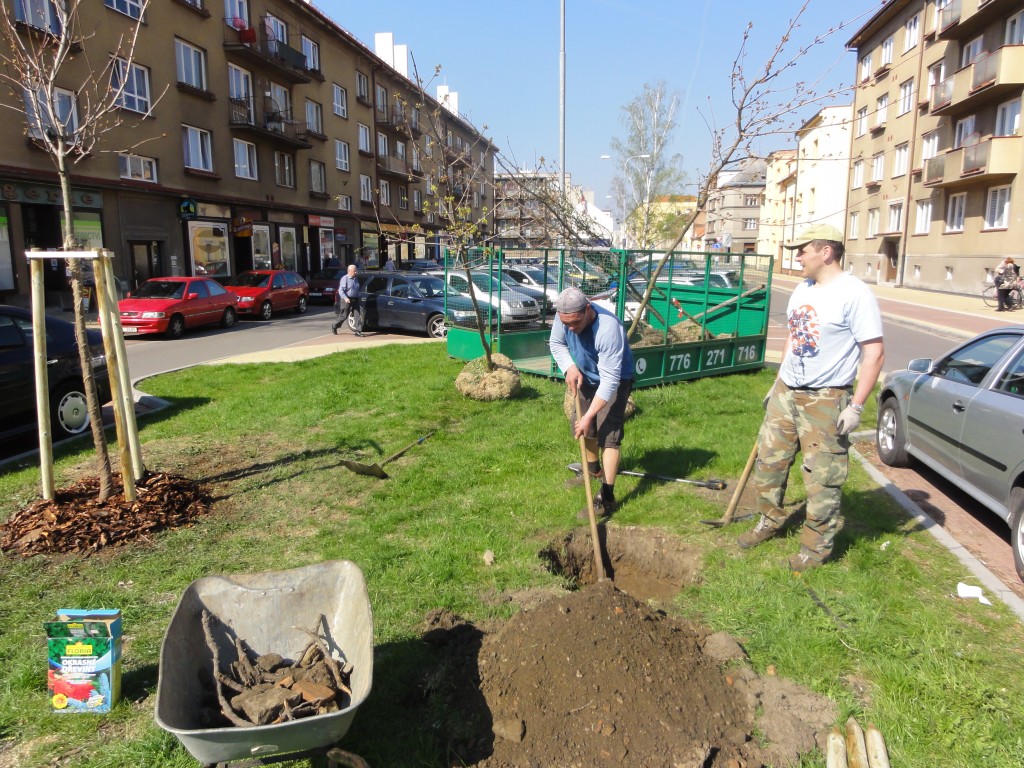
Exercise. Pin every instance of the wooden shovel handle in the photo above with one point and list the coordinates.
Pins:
(598, 562)
(730, 512)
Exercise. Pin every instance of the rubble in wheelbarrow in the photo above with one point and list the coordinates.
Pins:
(268, 688)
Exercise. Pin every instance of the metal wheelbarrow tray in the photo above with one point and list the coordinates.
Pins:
(261, 609)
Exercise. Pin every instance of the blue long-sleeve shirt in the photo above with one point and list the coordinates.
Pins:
(601, 351)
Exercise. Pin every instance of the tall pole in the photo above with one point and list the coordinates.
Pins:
(561, 112)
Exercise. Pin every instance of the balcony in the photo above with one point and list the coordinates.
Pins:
(255, 46)
(393, 166)
(990, 78)
(261, 118)
(394, 118)
(959, 23)
(990, 160)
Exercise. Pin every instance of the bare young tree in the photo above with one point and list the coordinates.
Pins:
(67, 111)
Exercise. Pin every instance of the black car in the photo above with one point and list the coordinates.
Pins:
(414, 301)
(68, 413)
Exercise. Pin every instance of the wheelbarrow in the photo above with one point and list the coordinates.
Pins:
(262, 608)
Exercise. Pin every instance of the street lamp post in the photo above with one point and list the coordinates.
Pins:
(625, 217)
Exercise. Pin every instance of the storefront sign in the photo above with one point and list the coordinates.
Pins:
(187, 209)
(321, 221)
(26, 193)
(241, 227)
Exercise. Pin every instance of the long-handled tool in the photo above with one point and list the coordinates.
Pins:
(377, 470)
(730, 512)
(598, 561)
(713, 484)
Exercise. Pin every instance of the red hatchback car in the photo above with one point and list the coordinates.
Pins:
(170, 305)
(262, 292)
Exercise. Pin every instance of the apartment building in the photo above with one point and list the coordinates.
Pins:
(253, 133)
(936, 152)
(529, 210)
(778, 210)
(734, 208)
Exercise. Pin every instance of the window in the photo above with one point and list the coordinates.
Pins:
(955, 212)
(997, 208)
(971, 51)
(284, 169)
(851, 231)
(134, 80)
(751, 201)
(362, 88)
(865, 68)
(198, 148)
(929, 145)
(245, 160)
(971, 364)
(906, 96)
(872, 222)
(1008, 118)
(344, 202)
(317, 177)
(895, 217)
(936, 74)
(340, 101)
(899, 160)
(365, 189)
(858, 174)
(403, 198)
(364, 139)
(881, 109)
(750, 224)
(964, 128)
(1015, 29)
(240, 95)
(428, 146)
(385, 193)
(878, 167)
(862, 121)
(382, 144)
(311, 52)
(939, 5)
(136, 167)
(314, 117)
(276, 31)
(132, 8)
(382, 101)
(911, 33)
(417, 200)
(923, 217)
(887, 51)
(41, 15)
(341, 161)
(191, 64)
(400, 149)
(236, 13)
(281, 102)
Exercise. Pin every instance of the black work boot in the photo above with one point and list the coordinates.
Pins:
(760, 533)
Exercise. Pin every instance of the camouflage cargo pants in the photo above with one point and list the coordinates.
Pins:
(804, 420)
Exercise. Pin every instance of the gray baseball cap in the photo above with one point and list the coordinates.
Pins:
(570, 301)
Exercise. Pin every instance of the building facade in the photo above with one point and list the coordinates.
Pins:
(936, 150)
(253, 133)
(734, 208)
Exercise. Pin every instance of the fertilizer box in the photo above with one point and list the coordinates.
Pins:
(84, 660)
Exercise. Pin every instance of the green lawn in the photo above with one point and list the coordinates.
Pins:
(939, 676)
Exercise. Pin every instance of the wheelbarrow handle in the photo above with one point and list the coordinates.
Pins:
(413, 444)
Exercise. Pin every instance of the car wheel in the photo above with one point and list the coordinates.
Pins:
(301, 309)
(266, 310)
(889, 437)
(176, 327)
(69, 412)
(230, 318)
(436, 328)
(1017, 529)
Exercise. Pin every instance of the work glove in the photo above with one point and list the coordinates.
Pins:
(848, 420)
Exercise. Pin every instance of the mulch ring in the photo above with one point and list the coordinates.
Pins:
(75, 520)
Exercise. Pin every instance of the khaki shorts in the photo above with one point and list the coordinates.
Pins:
(609, 426)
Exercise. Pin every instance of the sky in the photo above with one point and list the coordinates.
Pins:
(503, 58)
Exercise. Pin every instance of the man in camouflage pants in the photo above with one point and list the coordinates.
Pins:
(834, 328)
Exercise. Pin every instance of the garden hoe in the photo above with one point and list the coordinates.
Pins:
(715, 485)
(598, 561)
(377, 470)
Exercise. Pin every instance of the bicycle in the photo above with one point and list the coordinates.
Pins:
(1015, 298)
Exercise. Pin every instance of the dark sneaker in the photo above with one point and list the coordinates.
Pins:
(764, 530)
(803, 561)
(602, 509)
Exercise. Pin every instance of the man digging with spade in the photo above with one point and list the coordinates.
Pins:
(590, 347)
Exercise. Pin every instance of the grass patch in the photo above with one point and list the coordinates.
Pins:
(878, 631)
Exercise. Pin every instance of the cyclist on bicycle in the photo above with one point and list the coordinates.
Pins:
(1006, 278)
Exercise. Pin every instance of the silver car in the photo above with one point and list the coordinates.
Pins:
(963, 416)
(513, 305)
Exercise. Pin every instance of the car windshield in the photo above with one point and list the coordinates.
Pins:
(160, 289)
(538, 275)
(428, 286)
(251, 280)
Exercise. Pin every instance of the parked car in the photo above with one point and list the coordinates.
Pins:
(324, 284)
(171, 305)
(414, 302)
(963, 416)
(419, 265)
(536, 277)
(68, 413)
(262, 292)
(513, 305)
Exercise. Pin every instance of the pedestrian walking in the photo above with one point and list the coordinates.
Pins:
(1005, 278)
(590, 347)
(347, 297)
(835, 338)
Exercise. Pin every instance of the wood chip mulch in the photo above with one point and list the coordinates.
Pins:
(76, 521)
